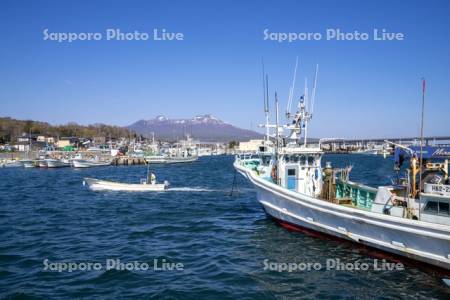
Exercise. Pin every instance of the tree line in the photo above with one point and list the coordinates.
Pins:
(11, 128)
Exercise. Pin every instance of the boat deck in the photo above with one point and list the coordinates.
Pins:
(348, 194)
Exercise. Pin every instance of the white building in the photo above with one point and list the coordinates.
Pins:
(250, 146)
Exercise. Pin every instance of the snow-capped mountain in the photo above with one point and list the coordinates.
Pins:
(202, 127)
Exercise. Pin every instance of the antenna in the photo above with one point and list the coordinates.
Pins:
(266, 99)
(267, 93)
(291, 91)
(277, 133)
(313, 96)
(276, 111)
(264, 86)
(305, 96)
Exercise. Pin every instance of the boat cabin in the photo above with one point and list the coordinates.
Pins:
(299, 170)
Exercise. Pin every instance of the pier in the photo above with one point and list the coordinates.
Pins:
(128, 161)
(341, 145)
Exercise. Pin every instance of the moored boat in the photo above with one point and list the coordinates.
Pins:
(28, 163)
(156, 159)
(162, 159)
(11, 164)
(411, 218)
(42, 163)
(83, 163)
(57, 163)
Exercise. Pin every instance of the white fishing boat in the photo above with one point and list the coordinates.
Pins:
(410, 218)
(83, 163)
(42, 163)
(28, 163)
(181, 159)
(169, 159)
(57, 163)
(100, 185)
(374, 151)
(11, 163)
(184, 151)
(156, 159)
(366, 152)
(147, 184)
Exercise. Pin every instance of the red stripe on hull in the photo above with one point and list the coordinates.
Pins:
(370, 251)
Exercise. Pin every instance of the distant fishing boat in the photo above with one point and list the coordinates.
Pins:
(11, 164)
(28, 163)
(410, 218)
(380, 151)
(42, 163)
(366, 152)
(156, 159)
(83, 163)
(160, 159)
(184, 151)
(57, 163)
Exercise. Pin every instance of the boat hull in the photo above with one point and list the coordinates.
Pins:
(12, 164)
(54, 163)
(28, 164)
(42, 164)
(421, 241)
(88, 164)
(103, 185)
(172, 160)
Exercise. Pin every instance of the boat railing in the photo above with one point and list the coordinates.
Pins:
(246, 156)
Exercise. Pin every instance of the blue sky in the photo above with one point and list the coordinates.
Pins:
(365, 88)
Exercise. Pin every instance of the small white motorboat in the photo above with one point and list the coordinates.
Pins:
(101, 185)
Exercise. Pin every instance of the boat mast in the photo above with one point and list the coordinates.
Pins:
(313, 97)
(277, 136)
(267, 108)
(291, 92)
(305, 101)
(421, 142)
(29, 145)
(265, 79)
(308, 115)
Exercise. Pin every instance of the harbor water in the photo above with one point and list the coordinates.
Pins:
(221, 244)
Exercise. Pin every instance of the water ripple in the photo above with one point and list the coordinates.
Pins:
(221, 240)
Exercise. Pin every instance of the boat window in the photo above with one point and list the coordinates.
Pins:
(302, 160)
(443, 208)
(291, 172)
(432, 206)
(266, 160)
(294, 158)
(286, 158)
(311, 160)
